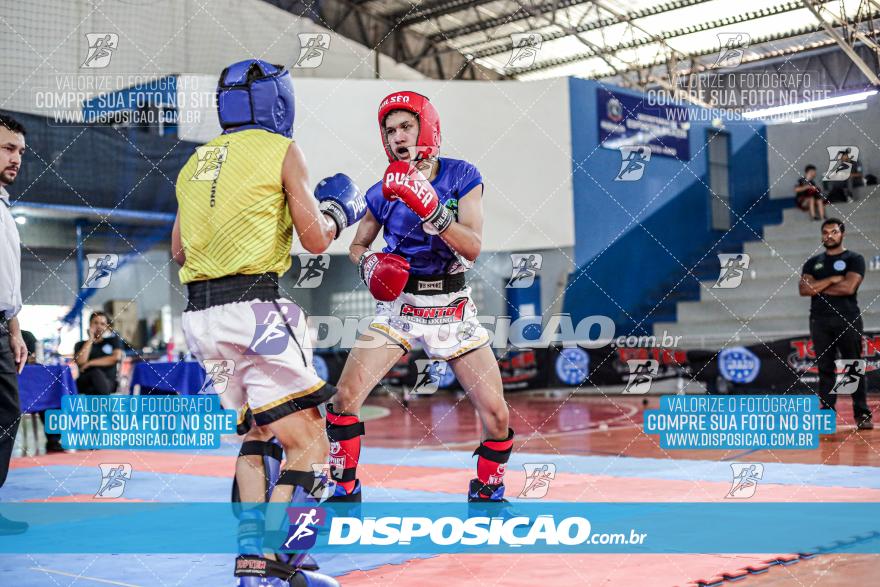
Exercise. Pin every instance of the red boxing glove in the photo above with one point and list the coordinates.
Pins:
(385, 274)
(406, 183)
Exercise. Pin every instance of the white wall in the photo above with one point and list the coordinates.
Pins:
(792, 146)
(44, 44)
(517, 133)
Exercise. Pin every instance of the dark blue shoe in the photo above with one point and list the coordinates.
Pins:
(306, 561)
(480, 492)
(488, 501)
(256, 571)
(341, 496)
(344, 504)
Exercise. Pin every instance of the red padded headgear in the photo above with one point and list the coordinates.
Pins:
(428, 142)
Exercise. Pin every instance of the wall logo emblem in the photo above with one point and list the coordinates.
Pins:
(739, 364)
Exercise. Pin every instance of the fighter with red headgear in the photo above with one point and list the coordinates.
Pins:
(430, 210)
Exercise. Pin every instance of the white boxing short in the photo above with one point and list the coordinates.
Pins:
(271, 359)
(444, 324)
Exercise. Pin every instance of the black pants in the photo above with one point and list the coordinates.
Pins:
(10, 409)
(95, 382)
(832, 335)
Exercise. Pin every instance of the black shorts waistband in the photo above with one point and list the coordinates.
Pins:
(434, 284)
(231, 289)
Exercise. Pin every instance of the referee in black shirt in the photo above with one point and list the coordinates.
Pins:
(832, 279)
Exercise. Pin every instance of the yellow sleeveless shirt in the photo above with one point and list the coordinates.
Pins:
(233, 211)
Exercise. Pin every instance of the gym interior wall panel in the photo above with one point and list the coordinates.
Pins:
(793, 146)
(517, 134)
(635, 240)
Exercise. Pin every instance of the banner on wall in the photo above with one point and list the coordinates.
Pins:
(520, 369)
(626, 120)
(785, 366)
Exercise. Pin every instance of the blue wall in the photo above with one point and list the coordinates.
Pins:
(157, 93)
(100, 166)
(634, 241)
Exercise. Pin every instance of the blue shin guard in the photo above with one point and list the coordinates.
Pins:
(252, 568)
(307, 489)
(272, 454)
(251, 524)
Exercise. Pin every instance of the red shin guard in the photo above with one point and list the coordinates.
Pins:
(492, 457)
(344, 432)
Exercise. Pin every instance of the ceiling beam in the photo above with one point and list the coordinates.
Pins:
(421, 12)
(551, 63)
(381, 34)
(696, 67)
(845, 46)
(524, 12)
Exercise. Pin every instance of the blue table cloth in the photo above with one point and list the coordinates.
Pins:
(40, 387)
(185, 378)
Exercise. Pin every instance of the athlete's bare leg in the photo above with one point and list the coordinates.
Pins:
(478, 373)
(304, 440)
(364, 368)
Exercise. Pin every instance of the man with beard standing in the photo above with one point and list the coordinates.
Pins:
(832, 279)
(13, 352)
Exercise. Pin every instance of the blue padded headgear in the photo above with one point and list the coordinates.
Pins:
(256, 94)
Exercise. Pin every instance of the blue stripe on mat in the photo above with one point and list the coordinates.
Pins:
(60, 481)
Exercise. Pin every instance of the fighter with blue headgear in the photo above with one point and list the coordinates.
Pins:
(233, 236)
(256, 94)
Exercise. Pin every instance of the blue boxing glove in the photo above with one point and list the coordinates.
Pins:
(341, 200)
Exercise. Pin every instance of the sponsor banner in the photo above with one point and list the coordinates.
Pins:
(540, 367)
(615, 365)
(781, 366)
(437, 528)
(328, 365)
(626, 121)
(521, 369)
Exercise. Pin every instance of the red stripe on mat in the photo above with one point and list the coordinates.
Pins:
(527, 570)
(600, 488)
